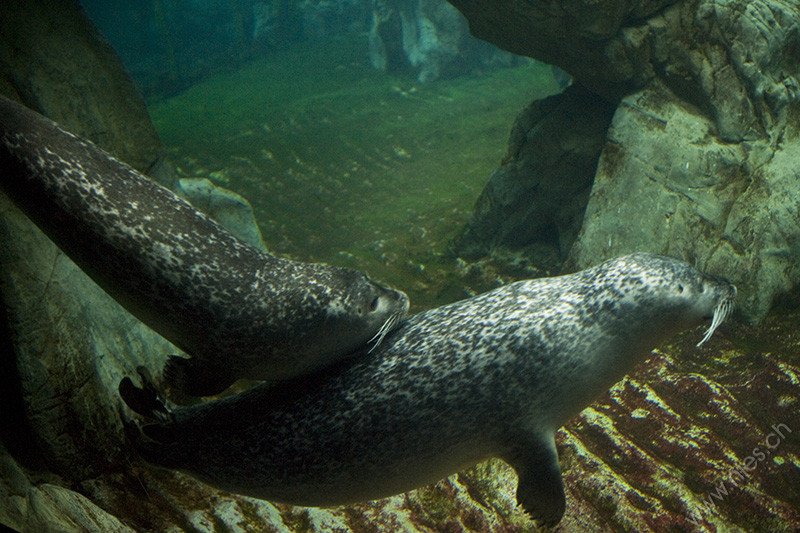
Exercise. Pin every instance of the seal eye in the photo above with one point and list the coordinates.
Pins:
(374, 305)
(680, 288)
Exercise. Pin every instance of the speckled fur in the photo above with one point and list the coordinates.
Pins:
(494, 375)
(239, 313)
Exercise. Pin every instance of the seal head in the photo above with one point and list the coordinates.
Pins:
(311, 315)
(494, 375)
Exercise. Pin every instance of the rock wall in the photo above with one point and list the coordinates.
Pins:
(68, 355)
(54, 61)
(700, 159)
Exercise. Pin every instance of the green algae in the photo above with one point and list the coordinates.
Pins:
(351, 166)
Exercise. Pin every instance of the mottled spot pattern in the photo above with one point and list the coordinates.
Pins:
(494, 375)
(236, 311)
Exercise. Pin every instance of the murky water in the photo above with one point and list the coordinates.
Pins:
(350, 166)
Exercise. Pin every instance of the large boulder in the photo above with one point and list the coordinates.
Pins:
(666, 182)
(701, 156)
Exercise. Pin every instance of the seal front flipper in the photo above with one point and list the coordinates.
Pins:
(540, 490)
(188, 377)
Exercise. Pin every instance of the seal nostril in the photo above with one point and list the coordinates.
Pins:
(374, 305)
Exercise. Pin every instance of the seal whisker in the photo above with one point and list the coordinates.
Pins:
(721, 312)
(387, 326)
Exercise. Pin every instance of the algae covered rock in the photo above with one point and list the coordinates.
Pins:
(681, 190)
(698, 161)
(225, 206)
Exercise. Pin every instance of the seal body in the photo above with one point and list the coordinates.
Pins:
(494, 375)
(238, 312)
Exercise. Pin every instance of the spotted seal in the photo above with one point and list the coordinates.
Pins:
(236, 311)
(493, 375)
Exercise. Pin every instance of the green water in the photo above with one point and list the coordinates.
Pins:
(349, 166)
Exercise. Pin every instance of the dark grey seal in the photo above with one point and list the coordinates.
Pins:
(236, 311)
(494, 375)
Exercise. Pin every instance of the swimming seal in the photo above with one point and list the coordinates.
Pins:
(236, 311)
(494, 375)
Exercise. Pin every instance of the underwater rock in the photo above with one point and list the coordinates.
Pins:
(667, 182)
(537, 196)
(428, 36)
(231, 210)
(714, 168)
(604, 44)
(42, 506)
(698, 160)
(70, 352)
(55, 62)
(671, 449)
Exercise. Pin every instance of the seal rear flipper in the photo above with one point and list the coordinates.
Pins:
(154, 440)
(146, 400)
(540, 490)
(186, 377)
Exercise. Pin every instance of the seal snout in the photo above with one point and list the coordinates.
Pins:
(399, 302)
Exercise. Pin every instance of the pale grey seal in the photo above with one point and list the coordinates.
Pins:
(238, 312)
(494, 375)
